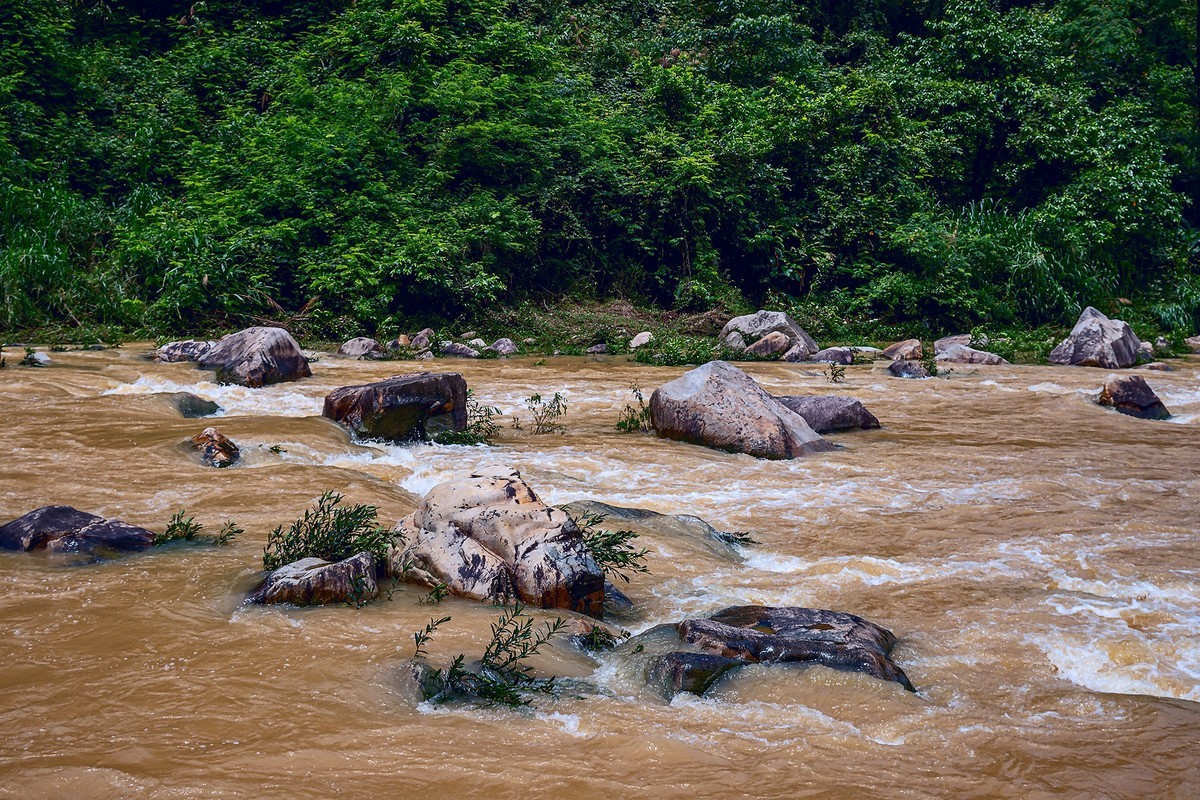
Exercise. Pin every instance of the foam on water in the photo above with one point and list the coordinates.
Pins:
(279, 400)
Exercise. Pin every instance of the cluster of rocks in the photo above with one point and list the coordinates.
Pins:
(253, 357)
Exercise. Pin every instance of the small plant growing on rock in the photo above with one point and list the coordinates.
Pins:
(636, 420)
(742, 538)
(481, 425)
(330, 532)
(612, 551)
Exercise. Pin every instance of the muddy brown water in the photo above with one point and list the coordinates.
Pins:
(1036, 555)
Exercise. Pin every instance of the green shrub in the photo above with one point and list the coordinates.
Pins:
(328, 531)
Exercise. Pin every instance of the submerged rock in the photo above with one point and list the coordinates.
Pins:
(719, 406)
(360, 347)
(192, 406)
(908, 350)
(1097, 341)
(765, 635)
(1130, 394)
(961, 354)
(403, 408)
(257, 357)
(685, 527)
(828, 413)
(186, 350)
(216, 449)
(752, 327)
(488, 537)
(315, 582)
(907, 369)
(67, 530)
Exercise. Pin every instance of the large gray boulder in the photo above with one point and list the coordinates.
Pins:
(829, 413)
(757, 325)
(1097, 341)
(765, 635)
(1130, 394)
(256, 357)
(361, 347)
(315, 582)
(403, 408)
(67, 530)
(490, 538)
(719, 406)
(962, 354)
(186, 350)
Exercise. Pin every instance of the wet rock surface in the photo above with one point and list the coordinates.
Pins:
(457, 350)
(315, 582)
(719, 406)
(1097, 341)
(191, 406)
(773, 344)
(403, 408)
(829, 413)
(682, 527)
(489, 537)
(216, 449)
(257, 357)
(907, 369)
(67, 530)
(1131, 395)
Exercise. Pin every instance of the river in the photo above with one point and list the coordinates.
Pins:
(1036, 555)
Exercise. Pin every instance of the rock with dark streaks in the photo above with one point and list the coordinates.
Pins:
(403, 408)
(315, 582)
(216, 449)
(672, 673)
(67, 530)
(503, 347)
(457, 350)
(962, 354)
(834, 355)
(907, 369)
(257, 357)
(753, 327)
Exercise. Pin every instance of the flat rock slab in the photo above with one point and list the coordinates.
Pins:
(1130, 394)
(766, 635)
(315, 582)
(829, 413)
(257, 357)
(63, 529)
(719, 406)
(1097, 341)
(401, 409)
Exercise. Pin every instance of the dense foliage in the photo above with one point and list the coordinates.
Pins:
(369, 162)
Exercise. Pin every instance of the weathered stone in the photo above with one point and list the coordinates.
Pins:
(757, 325)
(468, 335)
(672, 673)
(422, 339)
(402, 408)
(1130, 394)
(192, 406)
(456, 350)
(1145, 352)
(616, 603)
(361, 347)
(216, 449)
(829, 413)
(256, 357)
(67, 530)
(908, 350)
(872, 352)
(477, 344)
(186, 350)
(773, 344)
(1158, 366)
(907, 369)
(735, 341)
(503, 347)
(643, 338)
(490, 538)
(400, 341)
(597, 350)
(961, 354)
(36, 359)
(315, 582)
(947, 341)
(719, 406)
(685, 528)
(834, 355)
(1097, 341)
(1193, 343)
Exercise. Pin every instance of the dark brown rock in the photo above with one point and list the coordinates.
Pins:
(403, 408)
(216, 449)
(1097, 341)
(719, 406)
(192, 406)
(828, 413)
(314, 582)
(361, 347)
(907, 369)
(672, 673)
(187, 350)
(257, 357)
(908, 350)
(1130, 394)
(68, 530)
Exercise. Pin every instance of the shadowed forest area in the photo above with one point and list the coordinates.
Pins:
(936, 164)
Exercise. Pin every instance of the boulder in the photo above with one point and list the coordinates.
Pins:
(871, 352)
(1158, 366)
(735, 341)
(477, 344)
(1193, 343)
(456, 350)
(1145, 352)
(36, 359)
(422, 339)
(757, 325)
(1130, 394)
(961, 354)
(468, 335)
(686, 529)
(67, 530)
(216, 449)
(361, 347)
(256, 357)
(402, 408)
(192, 406)
(834, 355)
(766, 635)
(907, 369)
(829, 413)
(643, 338)
(675, 672)
(1097, 341)
(488, 537)
(315, 582)
(719, 406)
(948, 341)
(908, 350)
(186, 350)
(597, 350)
(504, 347)
(773, 344)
